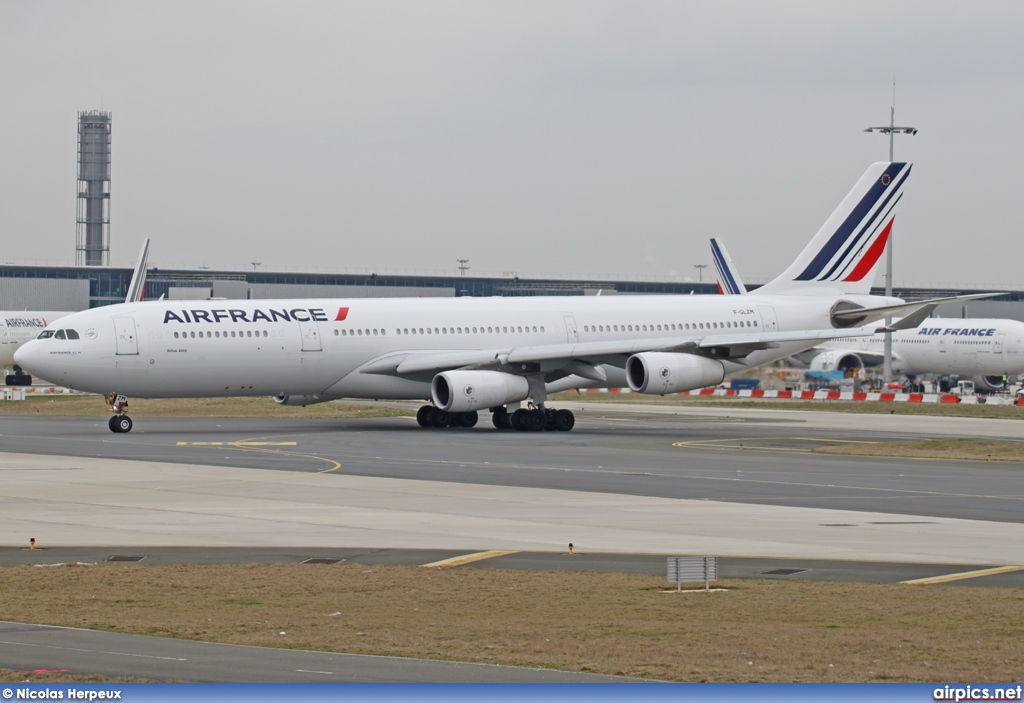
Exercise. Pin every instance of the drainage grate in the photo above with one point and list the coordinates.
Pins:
(837, 524)
(322, 560)
(118, 557)
(783, 572)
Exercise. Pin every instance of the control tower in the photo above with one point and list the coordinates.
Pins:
(93, 233)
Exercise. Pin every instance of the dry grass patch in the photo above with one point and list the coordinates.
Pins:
(93, 405)
(1006, 412)
(609, 623)
(970, 449)
(12, 676)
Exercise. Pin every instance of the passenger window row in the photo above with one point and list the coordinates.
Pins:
(671, 327)
(520, 329)
(218, 334)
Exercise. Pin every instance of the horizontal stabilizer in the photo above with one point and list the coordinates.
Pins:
(904, 309)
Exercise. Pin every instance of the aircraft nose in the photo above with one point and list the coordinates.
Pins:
(27, 357)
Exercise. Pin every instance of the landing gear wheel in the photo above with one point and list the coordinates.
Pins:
(501, 419)
(120, 423)
(468, 419)
(440, 418)
(519, 418)
(563, 420)
(423, 416)
(534, 421)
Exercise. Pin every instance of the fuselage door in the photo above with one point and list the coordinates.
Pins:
(571, 333)
(997, 345)
(310, 332)
(942, 344)
(768, 318)
(124, 333)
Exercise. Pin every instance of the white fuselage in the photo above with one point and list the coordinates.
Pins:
(981, 347)
(324, 347)
(20, 326)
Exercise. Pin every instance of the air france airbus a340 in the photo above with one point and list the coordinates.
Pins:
(470, 354)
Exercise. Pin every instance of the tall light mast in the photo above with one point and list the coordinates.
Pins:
(891, 130)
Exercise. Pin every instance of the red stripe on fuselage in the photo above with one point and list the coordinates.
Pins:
(871, 257)
(342, 314)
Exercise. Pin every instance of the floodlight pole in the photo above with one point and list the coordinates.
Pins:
(891, 130)
(700, 271)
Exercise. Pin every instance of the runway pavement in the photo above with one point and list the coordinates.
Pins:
(111, 654)
(626, 480)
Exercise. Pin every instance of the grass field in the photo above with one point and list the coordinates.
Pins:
(622, 624)
(1006, 412)
(969, 449)
(93, 405)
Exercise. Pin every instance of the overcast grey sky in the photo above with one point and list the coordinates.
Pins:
(536, 137)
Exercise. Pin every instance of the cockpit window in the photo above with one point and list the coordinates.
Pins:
(59, 335)
(72, 334)
(45, 334)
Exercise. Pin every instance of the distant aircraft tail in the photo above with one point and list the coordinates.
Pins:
(137, 287)
(844, 254)
(729, 282)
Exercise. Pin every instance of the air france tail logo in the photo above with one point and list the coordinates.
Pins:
(855, 247)
(257, 315)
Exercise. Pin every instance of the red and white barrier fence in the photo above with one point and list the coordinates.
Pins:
(835, 395)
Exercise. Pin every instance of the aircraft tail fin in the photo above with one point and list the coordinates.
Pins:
(844, 255)
(137, 288)
(729, 281)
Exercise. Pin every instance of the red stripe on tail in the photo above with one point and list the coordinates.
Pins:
(871, 257)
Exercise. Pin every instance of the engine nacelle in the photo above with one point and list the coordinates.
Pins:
(989, 384)
(658, 373)
(302, 400)
(838, 360)
(463, 391)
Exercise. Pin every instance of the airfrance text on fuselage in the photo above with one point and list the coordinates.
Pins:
(25, 322)
(959, 331)
(257, 315)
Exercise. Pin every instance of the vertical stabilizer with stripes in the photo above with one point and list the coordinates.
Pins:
(729, 281)
(845, 253)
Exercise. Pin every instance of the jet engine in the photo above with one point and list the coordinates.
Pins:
(303, 400)
(989, 384)
(464, 391)
(658, 373)
(838, 360)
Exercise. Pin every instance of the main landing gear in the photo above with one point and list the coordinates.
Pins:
(429, 416)
(120, 422)
(535, 420)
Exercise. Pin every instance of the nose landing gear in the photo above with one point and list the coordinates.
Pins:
(120, 422)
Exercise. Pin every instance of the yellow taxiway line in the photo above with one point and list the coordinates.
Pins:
(476, 556)
(967, 575)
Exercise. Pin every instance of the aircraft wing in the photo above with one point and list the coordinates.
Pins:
(555, 356)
